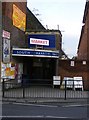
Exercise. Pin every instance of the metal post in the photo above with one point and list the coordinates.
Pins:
(3, 88)
(23, 86)
(65, 89)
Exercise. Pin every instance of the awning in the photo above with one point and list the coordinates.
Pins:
(35, 53)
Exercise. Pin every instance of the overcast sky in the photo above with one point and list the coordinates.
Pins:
(68, 14)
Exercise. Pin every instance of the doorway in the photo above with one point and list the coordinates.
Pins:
(40, 70)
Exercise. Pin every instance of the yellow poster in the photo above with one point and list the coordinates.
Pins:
(8, 71)
(19, 18)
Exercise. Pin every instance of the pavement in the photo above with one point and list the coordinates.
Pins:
(45, 100)
(51, 96)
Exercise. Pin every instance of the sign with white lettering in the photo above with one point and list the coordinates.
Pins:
(39, 41)
(56, 80)
(6, 34)
(45, 40)
(78, 82)
(35, 53)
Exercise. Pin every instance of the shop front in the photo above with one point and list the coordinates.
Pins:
(37, 62)
(39, 66)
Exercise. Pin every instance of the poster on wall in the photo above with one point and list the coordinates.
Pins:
(19, 18)
(3, 67)
(6, 50)
(7, 71)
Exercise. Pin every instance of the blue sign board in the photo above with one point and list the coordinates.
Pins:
(49, 37)
(38, 53)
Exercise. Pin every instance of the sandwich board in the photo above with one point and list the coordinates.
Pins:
(78, 83)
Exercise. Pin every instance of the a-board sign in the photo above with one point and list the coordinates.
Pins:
(56, 80)
(69, 82)
(78, 82)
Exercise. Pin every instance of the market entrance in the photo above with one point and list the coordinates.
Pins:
(40, 70)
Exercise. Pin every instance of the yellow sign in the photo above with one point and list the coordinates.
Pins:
(19, 18)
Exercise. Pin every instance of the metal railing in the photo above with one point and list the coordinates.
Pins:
(43, 89)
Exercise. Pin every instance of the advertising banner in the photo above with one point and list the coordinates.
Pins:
(19, 18)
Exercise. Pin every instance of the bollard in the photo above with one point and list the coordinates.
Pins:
(65, 89)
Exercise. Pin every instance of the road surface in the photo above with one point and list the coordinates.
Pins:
(45, 111)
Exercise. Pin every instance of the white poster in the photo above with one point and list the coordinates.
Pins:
(72, 63)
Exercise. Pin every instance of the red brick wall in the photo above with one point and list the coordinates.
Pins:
(82, 52)
(83, 49)
(7, 8)
(17, 35)
(65, 70)
(88, 35)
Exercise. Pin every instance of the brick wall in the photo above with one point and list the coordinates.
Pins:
(32, 22)
(88, 35)
(17, 36)
(65, 70)
(7, 8)
(82, 52)
(83, 48)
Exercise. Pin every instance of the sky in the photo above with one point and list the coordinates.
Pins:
(67, 14)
